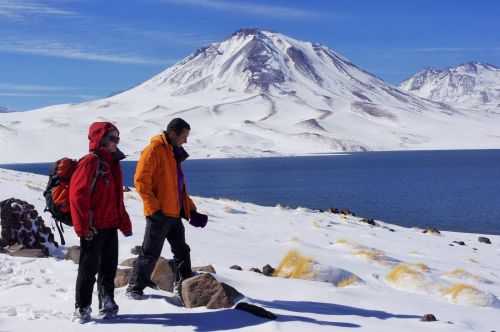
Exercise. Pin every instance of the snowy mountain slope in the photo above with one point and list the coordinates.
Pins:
(401, 274)
(257, 93)
(470, 85)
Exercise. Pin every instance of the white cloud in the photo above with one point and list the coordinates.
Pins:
(18, 9)
(61, 50)
(166, 37)
(250, 8)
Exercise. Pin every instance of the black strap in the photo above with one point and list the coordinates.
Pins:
(60, 229)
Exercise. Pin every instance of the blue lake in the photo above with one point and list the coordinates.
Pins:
(451, 190)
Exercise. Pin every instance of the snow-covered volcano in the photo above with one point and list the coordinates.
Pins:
(469, 85)
(256, 93)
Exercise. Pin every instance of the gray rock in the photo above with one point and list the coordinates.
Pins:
(431, 230)
(236, 267)
(163, 275)
(268, 270)
(255, 310)
(256, 270)
(122, 277)
(129, 262)
(428, 318)
(484, 239)
(369, 221)
(205, 290)
(73, 254)
(26, 252)
(208, 268)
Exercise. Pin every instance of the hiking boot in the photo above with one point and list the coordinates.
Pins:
(82, 315)
(178, 291)
(135, 294)
(108, 308)
(151, 284)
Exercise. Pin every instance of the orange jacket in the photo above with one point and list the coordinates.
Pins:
(156, 180)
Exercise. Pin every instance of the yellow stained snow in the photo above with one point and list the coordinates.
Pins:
(404, 272)
(350, 280)
(462, 274)
(455, 290)
(370, 254)
(294, 265)
(422, 267)
(467, 294)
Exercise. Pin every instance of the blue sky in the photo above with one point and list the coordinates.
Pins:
(60, 51)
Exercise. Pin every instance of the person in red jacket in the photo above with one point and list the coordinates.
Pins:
(97, 212)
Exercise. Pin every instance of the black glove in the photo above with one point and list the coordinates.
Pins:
(198, 219)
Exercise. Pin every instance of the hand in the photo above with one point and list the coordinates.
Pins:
(90, 234)
(198, 219)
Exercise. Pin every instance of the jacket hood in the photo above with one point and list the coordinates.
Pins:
(97, 131)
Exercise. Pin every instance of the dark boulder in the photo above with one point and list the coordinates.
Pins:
(428, 318)
(484, 239)
(255, 310)
(268, 270)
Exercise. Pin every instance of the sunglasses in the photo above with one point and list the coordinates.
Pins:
(114, 139)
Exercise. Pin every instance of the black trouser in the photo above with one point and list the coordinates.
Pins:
(154, 237)
(97, 256)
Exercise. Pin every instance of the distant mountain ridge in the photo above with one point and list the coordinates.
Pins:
(256, 93)
(469, 85)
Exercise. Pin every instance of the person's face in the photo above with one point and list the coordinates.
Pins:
(112, 140)
(179, 140)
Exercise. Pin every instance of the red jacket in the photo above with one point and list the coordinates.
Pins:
(105, 203)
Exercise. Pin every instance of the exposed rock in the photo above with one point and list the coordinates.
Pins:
(268, 270)
(483, 239)
(205, 290)
(256, 270)
(346, 212)
(255, 310)
(73, 254)
(122, 277)
(428, 318)
(129, 262)
(460, 243)
(369, 221)
(20, 251)
(163, 275)
(236, 267)
(224, 298)
(208, 268)
(432, 231)
(136, 250)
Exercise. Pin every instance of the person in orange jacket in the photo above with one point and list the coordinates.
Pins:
(160, 182)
